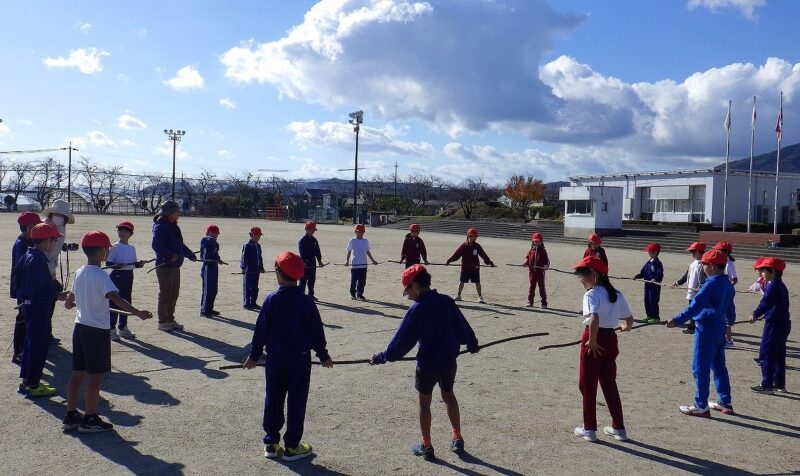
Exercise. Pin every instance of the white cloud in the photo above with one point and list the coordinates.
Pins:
(5, 132)
(100, 138)
(224, 153)
(128, 122)
(83, 27)
(340, 135)
(127, 143)
(404, 59)
(746, 7)
(227, 103)
(185, 79)
(87, 60)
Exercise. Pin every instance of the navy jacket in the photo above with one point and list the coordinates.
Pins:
(288, 325)
(709, 307)
(413, 249)
(209, 250)
(168, 242)
(251, 260)
(309, 250)
(17, 251)
(774, 305)
(651, 271)
(32, 278)
(437, 324)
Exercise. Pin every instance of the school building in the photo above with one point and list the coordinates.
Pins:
(691, 196)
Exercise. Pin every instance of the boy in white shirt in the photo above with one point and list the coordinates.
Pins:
(693, 278)
(91, 346)
(358, 247)
(122, 258)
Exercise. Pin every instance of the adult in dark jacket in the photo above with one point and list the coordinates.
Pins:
(170, 252)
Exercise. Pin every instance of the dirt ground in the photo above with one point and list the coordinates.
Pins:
(176, 413)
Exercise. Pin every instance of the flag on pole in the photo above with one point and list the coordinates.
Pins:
(779, 125)
(728, 118)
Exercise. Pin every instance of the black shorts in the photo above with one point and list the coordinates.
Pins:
(91, 349)
(424, 380)
(473, 276)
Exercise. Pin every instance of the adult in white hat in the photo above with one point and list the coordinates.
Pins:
(59, 214)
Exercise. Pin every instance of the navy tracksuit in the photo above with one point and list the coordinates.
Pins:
(709, 309)
(774, 306)
(252, 265)
(123, 280)
(20, 247)
(311, 254)
(35, 290)
(289, 327)
(209, 251)
(653, 270)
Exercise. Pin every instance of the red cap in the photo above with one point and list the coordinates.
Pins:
(45, 230)
(472, 232)
(96, 239)
(28, 218)
(409, 274)
(212, 229)
(770, 262)
(125, 224)
(537, 236)
(724, 246)
(255, 231)
(360, 227)
(413, 228)
(595, 239)
(291, 265)
(592, 262)
(653, 247)
(311, 225)
(697, 246)
(714, 257)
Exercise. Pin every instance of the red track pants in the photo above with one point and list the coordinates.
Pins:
(537, 277)
(602, 369)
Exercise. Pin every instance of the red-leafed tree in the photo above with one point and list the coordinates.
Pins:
(522, 191)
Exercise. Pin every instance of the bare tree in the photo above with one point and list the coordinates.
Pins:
(22, 176)
(3, 172)
(102, 183)
(151, 192)
(468, 193)
(421, 188)
(207, 185)
(189, 192)
(49, 179)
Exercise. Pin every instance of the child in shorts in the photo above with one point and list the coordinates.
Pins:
(468, 253)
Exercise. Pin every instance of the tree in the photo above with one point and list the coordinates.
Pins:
(48, 180)
(207, 185)
(468, 193)
(102, 183)
(22, 176)
(522, 191)
(151, 191)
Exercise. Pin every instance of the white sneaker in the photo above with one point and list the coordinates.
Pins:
(721, 407)
(619, 435)
(126, 333)
(692, 410)
(114, 335)
(457, 298)
(588, 435)
(480, 300)
(530, 304)
(166, 327)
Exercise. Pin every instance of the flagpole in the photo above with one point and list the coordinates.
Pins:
(727, 157)
(750, 180)
(779, 133)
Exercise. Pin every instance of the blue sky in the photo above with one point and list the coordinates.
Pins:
(456, 88)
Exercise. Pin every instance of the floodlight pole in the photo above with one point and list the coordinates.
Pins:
(356, 118)
(175, 137)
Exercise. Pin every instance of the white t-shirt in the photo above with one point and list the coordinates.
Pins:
(90, 287)
(693, 281)
(359, 249)
(730, 269)
(122, 253)
(596, 301)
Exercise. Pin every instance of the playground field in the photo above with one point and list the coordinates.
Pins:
(175, 412)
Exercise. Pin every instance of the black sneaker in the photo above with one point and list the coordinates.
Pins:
(72, 421)
(760, 389)
(425, 451)
(205, 314)
(250, 308)
(256, 307)
(54, 340)
(457, 446)
(94, 424)
(215, 313)
(362, 298)
(17, 359)
(688, 330)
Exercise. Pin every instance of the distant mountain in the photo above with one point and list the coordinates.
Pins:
(790, 161)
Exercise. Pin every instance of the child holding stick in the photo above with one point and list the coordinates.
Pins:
(358, 248)
(252, 265)
(774, 309)
(537, 263)
(653, 273)
(120, 258)
(693, 277)
(26, 221)
(593, 248)
(468, 252)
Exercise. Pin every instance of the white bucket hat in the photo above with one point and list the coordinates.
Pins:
(61, 207)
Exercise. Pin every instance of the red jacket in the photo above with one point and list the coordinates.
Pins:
(600, 253)
(413, 248)
(469, 254)
(537, 258)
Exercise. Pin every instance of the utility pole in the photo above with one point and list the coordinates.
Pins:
(356, 119)
(69, 175)
(395, 187)
(175, 137)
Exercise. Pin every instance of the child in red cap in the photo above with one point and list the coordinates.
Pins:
(709, 309)
(308, 246)
(438, 327)
(693, 277)
(288, 326)
(593, 248)
(413, 247)
(209, 272)
(774, 309)
(122, 258)
(36, 293)
(359, 249)
(26, 221)
(730, 271)
(468, 252)
(653, 273)
(537, 262)
(252, 265)
(603, 307)
(91, 291)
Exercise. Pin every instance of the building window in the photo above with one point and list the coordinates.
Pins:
(579, 207)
